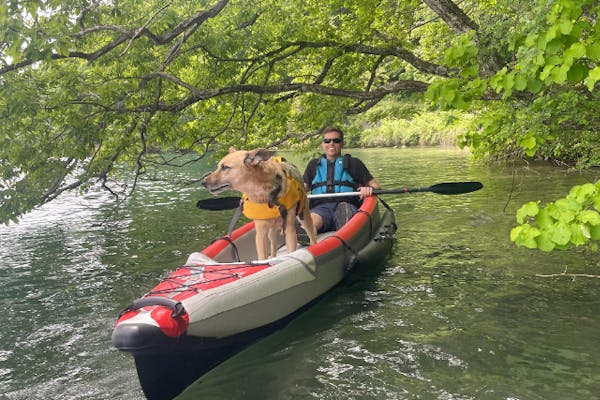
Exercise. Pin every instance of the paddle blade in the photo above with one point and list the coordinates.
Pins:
(219, 203)
(455, 187)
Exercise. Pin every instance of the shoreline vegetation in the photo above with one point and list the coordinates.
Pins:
(394, 123)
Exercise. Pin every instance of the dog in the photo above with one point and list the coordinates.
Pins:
(273, 195)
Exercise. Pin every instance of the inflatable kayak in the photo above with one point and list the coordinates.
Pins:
(222, 299)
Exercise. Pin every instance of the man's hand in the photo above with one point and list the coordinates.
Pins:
(365, 191)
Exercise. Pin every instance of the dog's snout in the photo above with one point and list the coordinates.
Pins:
(204, 179)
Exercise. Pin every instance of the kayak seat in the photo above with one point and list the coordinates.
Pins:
(344, 212)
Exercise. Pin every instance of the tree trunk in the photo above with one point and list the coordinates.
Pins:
(489, 61)
(452, 15)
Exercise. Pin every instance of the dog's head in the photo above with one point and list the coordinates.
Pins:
(244, 171)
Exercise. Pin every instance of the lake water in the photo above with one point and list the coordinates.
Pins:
(456, 312)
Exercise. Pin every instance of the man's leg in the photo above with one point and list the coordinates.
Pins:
(317, 221)
(343, 213)
(323, 216)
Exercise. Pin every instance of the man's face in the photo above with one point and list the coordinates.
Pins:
(329, 145)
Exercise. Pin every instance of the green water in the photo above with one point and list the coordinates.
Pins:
(457, 312)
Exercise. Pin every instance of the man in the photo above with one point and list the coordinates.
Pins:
(334, 173)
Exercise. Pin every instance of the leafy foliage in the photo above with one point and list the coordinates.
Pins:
(573, 220)
(85, 86)
(547, 104)
(89, 86)
(541, 103)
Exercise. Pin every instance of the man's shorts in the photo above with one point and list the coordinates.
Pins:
(327, 211)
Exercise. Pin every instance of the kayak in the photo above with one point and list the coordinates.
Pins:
(223, 298)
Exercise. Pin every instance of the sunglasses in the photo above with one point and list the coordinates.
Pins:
(334, 140)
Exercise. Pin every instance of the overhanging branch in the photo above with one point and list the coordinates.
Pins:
(399, 86)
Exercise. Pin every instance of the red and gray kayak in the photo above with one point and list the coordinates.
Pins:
(223, 298)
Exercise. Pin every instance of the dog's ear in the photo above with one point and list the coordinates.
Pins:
(256, 156)
(232, 149)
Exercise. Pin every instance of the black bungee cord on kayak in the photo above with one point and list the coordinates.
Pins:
(189, 286)
(353, 257)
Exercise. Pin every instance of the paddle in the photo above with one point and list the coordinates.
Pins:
(450, 188)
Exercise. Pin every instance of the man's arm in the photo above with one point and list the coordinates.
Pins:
(364, 178)
(309, 174)
(373, 183)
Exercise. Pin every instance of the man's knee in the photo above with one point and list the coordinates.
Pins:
(317, 221)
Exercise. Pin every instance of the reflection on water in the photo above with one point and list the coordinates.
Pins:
(56, 302)
(456, 312)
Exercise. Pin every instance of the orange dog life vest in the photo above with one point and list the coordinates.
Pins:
(294, 195)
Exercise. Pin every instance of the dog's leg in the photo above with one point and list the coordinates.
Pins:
(273, 239)
(291, 238)
(262, 237)
(308, 225)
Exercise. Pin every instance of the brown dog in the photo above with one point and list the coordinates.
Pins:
(272, 188)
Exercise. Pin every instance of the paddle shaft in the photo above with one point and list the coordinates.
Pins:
(354, 194)
(451, 188)
(441, 188)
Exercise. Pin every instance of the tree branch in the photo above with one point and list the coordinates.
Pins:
(568, 275)
(461, 23)
(198, 95)
(452, 15)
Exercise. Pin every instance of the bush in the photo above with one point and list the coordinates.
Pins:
(401, 123)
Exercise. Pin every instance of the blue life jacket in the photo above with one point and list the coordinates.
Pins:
(333, 177)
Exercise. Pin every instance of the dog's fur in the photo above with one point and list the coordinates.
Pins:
(263, 179)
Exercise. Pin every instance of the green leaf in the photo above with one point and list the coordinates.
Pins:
(593, 77)
(448, 94)
(528, 142)
(496, 80)
(534, 85)
(508, 82)
(589, 217)
(544, 219)
(531, 39)
(525, 235)
(551, 33)
(578, 237)
(595, 232)
(541, 43)
(585, 230)
(530, 209)
(566, 209)
(577, 73)
(559, 75)
(565, 27)
(577, 50)
(470, 71)
(539, 60)
(544, 241)
(596, 199)
(582, 194)
(553, 47)
(554, 60)
(593, 51)
(546, 71)
(561, 234)
(520, 82)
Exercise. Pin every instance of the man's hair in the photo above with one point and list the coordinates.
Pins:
(334, 129)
